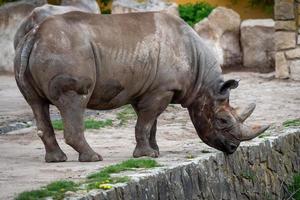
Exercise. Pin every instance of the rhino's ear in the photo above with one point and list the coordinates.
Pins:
(228, 85)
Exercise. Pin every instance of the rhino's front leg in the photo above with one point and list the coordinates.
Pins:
(71, 106)
(148, 109)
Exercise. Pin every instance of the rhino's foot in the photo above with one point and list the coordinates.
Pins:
(155, 147)
(89, 157)
(139, 152)
(56, 156)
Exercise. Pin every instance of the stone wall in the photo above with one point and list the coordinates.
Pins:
(287, 38)
(258, 170)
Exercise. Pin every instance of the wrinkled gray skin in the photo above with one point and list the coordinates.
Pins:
(39, 14)
(149, 60)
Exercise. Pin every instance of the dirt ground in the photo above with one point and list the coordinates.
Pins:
(22, 165)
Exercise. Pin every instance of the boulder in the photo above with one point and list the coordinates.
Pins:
(295, 70)
(87, 5)
(221, 31)
(128, 6)
(11, 14)
(257, 40)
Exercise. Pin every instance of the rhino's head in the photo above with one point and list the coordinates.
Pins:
(218, 124)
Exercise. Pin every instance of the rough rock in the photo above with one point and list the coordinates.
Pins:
(289, 25)
(257, 40)
(285, 40)
(90, 5)
(221, 30)
(284, 9)
(282, 66)
(11, 14)
(128, 6)
(295, 70)
(293, 54)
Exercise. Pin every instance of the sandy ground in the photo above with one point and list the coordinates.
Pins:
(22, 165)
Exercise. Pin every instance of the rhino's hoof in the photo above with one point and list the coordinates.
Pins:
(155, 147)
(56, 156)
(90, 157)
(139, 152)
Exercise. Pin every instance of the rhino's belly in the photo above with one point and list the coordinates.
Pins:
(109, 94)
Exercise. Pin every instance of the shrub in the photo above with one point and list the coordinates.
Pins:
(193, 13)
(6, 1)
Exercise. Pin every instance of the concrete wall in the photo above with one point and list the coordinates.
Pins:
(258, 171)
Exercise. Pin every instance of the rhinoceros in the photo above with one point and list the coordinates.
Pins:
(149, 60)
(39, 14)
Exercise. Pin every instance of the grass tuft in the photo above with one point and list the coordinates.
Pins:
(291, 122)
(99, 180)
(126, 114)
(125, 165)
(56, 190)
(88, 124)
(294, 188)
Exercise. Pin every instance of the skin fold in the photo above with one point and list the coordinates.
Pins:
(149, 60)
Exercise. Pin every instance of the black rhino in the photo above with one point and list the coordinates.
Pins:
(149, 60)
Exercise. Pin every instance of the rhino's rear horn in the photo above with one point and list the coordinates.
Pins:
(246, 112)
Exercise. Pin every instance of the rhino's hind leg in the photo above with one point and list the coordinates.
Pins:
(46, 133)
(148, 109)
(152, 139)
(71, 106)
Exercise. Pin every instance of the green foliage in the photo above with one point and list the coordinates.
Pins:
(193, 13)
(250, 175)
(106, 11)
(6, 1)
(126, 114)
(126, 165)
(55, 189)
(105, 2)
(88, 124)
(99, 180)
(294, 188)
(267, 5)
(104, 6)
(292, 122)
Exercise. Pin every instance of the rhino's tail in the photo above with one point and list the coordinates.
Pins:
(21, 65)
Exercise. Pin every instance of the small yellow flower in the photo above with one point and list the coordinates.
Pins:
(62, 190)
(105, 186)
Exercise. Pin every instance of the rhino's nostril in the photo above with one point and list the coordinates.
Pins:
(231, 147)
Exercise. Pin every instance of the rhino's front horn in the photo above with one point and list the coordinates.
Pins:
(248, 133)
(246, 112)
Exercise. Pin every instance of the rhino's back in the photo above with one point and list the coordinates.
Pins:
(126, 54)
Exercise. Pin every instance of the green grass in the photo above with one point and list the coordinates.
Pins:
(294, 188)
(291, 122)
(88, 124)
(126, 165)
(126, 114)
(193, 13)
(250, 175)
(101, 179)
(55, 189)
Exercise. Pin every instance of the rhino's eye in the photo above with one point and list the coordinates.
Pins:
(222, 120)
